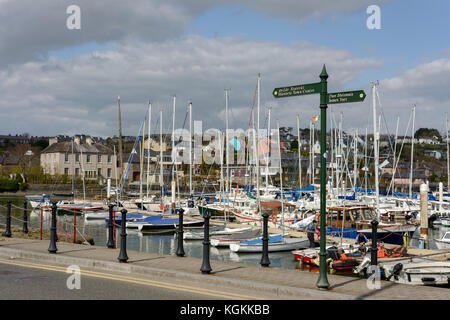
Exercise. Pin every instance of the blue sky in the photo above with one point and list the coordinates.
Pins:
(412, 32)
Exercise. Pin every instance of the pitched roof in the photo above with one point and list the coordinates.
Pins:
(66, 147)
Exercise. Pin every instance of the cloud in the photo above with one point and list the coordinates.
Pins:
(30, 29)
(56, 96)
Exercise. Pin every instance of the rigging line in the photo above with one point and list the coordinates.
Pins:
(399, 155)
(248, 131)
(173, 158)
(385, 123)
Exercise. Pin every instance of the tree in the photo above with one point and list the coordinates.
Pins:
(426, 133)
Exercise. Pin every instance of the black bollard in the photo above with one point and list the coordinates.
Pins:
(8, 221)
(123, 237)
(206, 267)
(265, 262)
(180, 249)
(25, 218)
(111, 243)
(374, 249)
(52, 247)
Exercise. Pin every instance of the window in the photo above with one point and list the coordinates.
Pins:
(88, 158)
(109, 158)
(99, 172)
(66, 170)
(109, 172)
(77, 158)
(66, 157)
(77, 171)
(99, 158)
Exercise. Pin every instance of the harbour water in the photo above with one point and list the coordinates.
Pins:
(162, 242)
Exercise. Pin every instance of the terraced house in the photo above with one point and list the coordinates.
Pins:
(77, 156)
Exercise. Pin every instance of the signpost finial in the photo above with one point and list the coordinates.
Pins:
(324, 73)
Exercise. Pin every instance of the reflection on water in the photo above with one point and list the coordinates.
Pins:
(161, 241)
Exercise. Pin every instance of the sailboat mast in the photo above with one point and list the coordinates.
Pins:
(281, 179)
(190, 148)
(141, 175)
(355, 159)
(149, 144)
(226, 140)
(257, 144)
(448, 158)
(395, 156)
(299, 153)
(375, 148)
(267, 153)
(161, 173)
(365, 164)
(174, 169)
(412, 153)
(120, 141)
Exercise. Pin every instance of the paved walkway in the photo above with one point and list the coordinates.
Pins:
(255, 281)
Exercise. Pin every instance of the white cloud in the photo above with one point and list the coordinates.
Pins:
(79, 95)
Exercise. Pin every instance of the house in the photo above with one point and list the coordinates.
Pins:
(77, 157)
(433, 153)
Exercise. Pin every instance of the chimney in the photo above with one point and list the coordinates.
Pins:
(89, 141)
(76, 139)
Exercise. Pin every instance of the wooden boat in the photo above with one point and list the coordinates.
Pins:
(276, 243)
(356, 219)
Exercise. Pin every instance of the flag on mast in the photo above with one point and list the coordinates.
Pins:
(316, 118)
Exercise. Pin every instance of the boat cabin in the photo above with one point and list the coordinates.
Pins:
(347, 217)
(275, 207)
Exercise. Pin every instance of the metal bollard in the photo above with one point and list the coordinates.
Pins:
(52, 247)
(111, 243)
(265, 262)
(25, 218)
(374, 249)
(8, 221)
(206, 267)
(123, 237)
(180, 249)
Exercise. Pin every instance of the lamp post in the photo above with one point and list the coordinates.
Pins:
(180, 249)
(206, 267)
(123, 257)
(111, 243)
(52, 247)
(322, 282)
(265, 262)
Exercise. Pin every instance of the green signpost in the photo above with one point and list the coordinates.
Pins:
(348, 96)
(325, 99)
(299, 90)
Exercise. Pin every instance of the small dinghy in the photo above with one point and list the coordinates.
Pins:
(276, 243)
(418, 273)
(198, 234)
(236, 237)
(129, 217)
(161, 222)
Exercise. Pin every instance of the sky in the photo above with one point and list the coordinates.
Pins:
(56, 80)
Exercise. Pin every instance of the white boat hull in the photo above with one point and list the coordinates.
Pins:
(287, 245)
